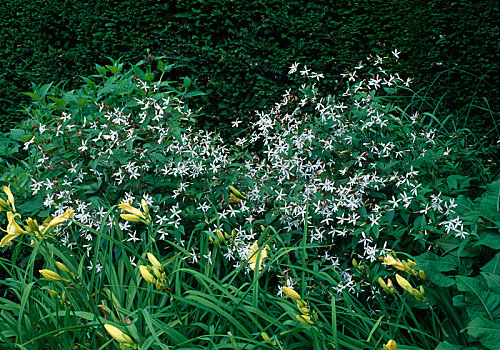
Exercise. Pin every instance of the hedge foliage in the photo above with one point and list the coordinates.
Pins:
(238, 51)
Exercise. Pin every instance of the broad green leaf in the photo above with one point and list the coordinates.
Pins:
(479, 301)
(486, 331)
(493, 266)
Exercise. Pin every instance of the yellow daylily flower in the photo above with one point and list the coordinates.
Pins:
(146, 274)
(118, 335)
(52, 276)
(253, 254)
(391, 345)
(10, 197)
(3, 205)
(129, 213)
(396, 263)
(404, 284)
(304, 319)
(13, 229)
(61, 218)
(292, 293)
(267, 339)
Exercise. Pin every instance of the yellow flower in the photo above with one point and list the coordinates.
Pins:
(304, 319)
(396, 263)
(146, 274)
(267, 339)
(236, 192)
(10, 197)
(253, 254)
(391, 345)
(129, 213)
(155, 261)
(3, 205)
(404, 284)
(52, 276)
(118, 335)
(13, 229)
(292, 293)
(61, 218)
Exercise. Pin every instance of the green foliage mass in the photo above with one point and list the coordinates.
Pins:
(237, 50)
(313, 193)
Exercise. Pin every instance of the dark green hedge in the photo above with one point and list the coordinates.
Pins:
(239, 51)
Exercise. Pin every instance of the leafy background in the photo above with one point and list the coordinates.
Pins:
(238, 51)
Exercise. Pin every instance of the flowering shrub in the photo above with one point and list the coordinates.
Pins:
(310, 196)
(343, 177)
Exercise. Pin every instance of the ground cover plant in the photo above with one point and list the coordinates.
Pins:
(350, 221)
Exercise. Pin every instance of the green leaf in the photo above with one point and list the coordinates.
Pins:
(33, 96)
(493, 266)
(480, 301)
(486, 331)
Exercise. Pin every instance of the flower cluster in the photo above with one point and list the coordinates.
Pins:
(345, 175)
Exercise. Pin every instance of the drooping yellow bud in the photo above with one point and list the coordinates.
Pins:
(131, 218)
(383, 284)
(304, 319)
(155, 262)
(3, 205)
(146, 274)
(235, 191)
(61, 218)
(267, 339)
(52, 276)
(63, 268)
(391, 345)
(10, 197)
(404, 284)
(292, 293)
(422, 275)
(233, 199)
(118, 335)
(396, 263)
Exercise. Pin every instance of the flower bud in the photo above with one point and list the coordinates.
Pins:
(292, 294)
(63, 268)
(118, 335)
(304, 319)
(391, 345)
(267, 339)
(52, 276)
(148, 277)
(155, 261)
(422, 275)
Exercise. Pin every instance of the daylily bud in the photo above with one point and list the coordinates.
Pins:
(389, 283)
(411, 263)
(404, 283)
(383, 284)
(406, 267)
(235, 191)
(62, 267)
(64, 297)
(52, 276)
(396, 263)
(53, 294)
(292, 294)
(155, 261)
(60, 219)
(355, 264)
(391, 345)
(144, 206)
(304, 310)
(148, 277)
(131, 218)
(220, 236)
(267, 339)
(10, 197)
(422, 275)
(233, 199)
(304, 319)
(3, 205)
(118, 335)
(32, 225)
